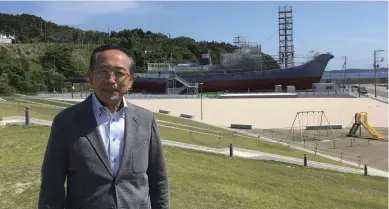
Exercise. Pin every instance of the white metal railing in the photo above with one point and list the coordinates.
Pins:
(153, 75)
(191, 131)
(193, 127)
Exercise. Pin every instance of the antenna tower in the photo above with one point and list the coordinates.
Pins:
(285, 36)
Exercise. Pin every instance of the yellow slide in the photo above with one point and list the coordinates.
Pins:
(366, 125)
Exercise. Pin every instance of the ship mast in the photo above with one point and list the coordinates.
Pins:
(285, 37)
(249, 49)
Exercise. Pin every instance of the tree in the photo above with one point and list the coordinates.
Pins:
(5, 88)
(37, 66)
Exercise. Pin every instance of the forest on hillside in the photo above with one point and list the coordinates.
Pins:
(41, 57)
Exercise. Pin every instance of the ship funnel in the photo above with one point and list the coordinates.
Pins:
(206, 58)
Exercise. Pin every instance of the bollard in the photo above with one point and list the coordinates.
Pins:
(258, 140)
(231, 151)
(190, 135)
(27, 116)
(305, 159)
(365, 170)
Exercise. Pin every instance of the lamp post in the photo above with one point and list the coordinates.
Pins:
(375, 70)
(201, 99)
(359, 84)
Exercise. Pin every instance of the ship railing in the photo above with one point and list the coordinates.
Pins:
(187, 69)
(153, 75)
(298, 93)
(160, 96)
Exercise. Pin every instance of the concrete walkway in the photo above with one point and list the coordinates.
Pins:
(21, 120)
(251, 154)
(237, 152)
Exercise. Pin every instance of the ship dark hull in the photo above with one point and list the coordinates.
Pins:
(233, 85)
(301, 77)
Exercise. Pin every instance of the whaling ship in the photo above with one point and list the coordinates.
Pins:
(243, 70)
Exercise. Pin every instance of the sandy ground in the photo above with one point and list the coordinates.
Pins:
(374, 152)
(272, 112)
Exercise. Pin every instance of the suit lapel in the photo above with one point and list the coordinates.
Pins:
(130, 129)
(89, 126)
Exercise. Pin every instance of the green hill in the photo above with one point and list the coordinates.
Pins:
(45, 53)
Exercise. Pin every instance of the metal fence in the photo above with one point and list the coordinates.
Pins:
(324, 144)
(83, 95)
(310, 144)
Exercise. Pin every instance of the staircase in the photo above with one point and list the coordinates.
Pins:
(191, 87)
(182, 81)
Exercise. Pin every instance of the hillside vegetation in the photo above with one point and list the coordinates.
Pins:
(37, 61)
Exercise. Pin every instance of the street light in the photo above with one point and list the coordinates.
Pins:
(375, 70)
(201, 99)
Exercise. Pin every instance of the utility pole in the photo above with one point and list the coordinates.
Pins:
(375, 73)
(344, 71)
(359, 84)
(375, 70)
(109, 36)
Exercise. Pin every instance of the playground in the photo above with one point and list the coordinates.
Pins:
(312, 130)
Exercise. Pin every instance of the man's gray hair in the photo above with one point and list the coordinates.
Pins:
(96, 52)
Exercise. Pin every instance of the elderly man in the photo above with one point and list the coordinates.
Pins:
(108, 149)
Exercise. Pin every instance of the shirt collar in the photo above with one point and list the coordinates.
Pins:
(100, 110)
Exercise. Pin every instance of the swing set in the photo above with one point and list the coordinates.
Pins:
(310, 120)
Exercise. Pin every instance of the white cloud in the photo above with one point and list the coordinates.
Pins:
(73, 12)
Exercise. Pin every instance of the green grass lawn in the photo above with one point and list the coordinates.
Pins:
(199, 180)
(42, 101)
(48, 102)
(48, 113)
(36, 110)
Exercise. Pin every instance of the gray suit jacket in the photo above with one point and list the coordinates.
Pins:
(75, 151)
